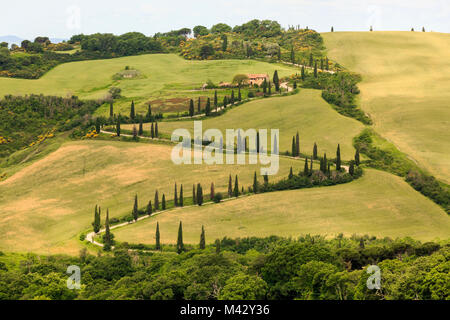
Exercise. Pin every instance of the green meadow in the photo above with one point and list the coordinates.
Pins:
(405, 89)
(378, 204)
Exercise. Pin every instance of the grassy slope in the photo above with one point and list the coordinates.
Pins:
(305, 112)
(378, 204)
(44, 206)
(405, 89)
(164, 75)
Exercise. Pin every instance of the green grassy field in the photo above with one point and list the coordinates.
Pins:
(378, 204)
(405, 89)
(163, 76)
(305, 112)
(45, 205)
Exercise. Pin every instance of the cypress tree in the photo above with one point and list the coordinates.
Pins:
(332, 29)
(230, 187)
(325, 162)
(232, 98)
(215, 100)
(303, 73)
(148, 116)
(264, 85)
(239, 94)
(212, 191)
(276, 81)
(266, 180)
(141, 126)
(181, 196)
(292, 55)
(294, 151)
(305, 170)
(152, 131)
(371, 29)
(255, 183)
(258, 147)
(224, 42)
(327, 64)
(149, 208)
(176, 196)
(194, 195)
(156, 129)
(315, 151)
(225, 101)
(321, 64)
(156, 200)
(118, 126)
(357, 159)
(423, 29)
(135, 132)
(158, 238)
(199, 107)
(270, 88)
(291, 174)
(338, 158)
(236, 187)
(202, 239)
(98, 125)
(329, 169)
(191, 108)
(311, 60)
(311, 166)
(295, 85)
(199, 195)
(208, 107)
(315, 69)
(107, 238)
(96, 223)
(135, 208)
(132, 112)
(111, 110)
(164, 202)
(297, 144)
(217, 246)
(180, 245)
(351, 168)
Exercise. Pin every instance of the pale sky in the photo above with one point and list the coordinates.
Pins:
(61, 19)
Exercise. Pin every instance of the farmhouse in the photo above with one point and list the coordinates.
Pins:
(257, 79)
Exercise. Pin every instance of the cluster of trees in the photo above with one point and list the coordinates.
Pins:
(209, 106)
(309, 267)
(24, 118)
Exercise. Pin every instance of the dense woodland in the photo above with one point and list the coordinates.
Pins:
(250, 268)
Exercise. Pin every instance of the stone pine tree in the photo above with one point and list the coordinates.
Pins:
(255, 184)
(357, 158)
(191, 108)
(236, 187)
(199, 195)
(163, 202)
(175, 199)
(212, 191)
(230, 187)
(276, 81)
(158, 238)
(96, 223)
(181, 201)
(297, 144)
(215, 100)
(306, 169)
(118, 126)
(107, 238)
(156, 200)
(132, 112)
(338, 158)
(149, 208)
(315, 151)
(194, 195)
(208, 107)
(202, 239)
(135, 208)
(180, 245)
